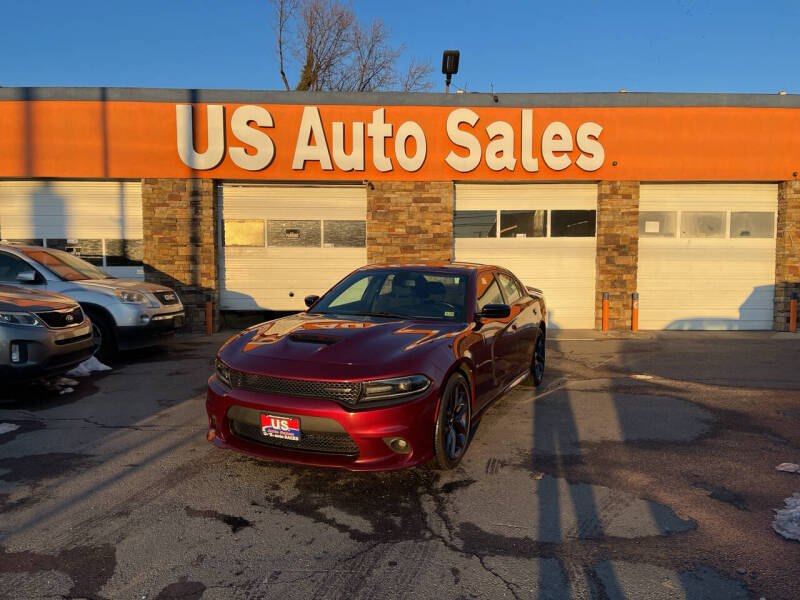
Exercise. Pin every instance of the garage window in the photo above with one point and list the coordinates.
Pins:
(294, 234)
(657, 223)
(244, 232)
(523, 223)
(703, 224)
(475, 224)
(124, 253)
(572, 223)
(345, 234)
(752, 224)
(90, 250)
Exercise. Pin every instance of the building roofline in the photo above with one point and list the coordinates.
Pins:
(539, 100)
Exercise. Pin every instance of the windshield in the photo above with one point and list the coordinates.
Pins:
(66, 266)
(399, 293)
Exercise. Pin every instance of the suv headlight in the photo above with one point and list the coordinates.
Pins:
(129, 297)
(20, 318)
(398, 387)
(224, 373)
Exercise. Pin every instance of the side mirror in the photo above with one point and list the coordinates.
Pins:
(27, 277)
(495, 311)
(310, 300)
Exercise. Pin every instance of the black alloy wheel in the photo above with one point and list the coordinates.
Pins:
(451, 436)
(538, 358)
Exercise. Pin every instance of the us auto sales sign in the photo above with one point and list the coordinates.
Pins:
(384, 145)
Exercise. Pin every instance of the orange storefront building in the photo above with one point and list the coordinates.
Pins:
(252, 200)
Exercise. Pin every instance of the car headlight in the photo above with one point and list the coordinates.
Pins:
(224, 373)
(129, 297)
(20, 318)
(398, 387)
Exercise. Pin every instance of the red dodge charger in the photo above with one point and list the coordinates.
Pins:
(389, 369)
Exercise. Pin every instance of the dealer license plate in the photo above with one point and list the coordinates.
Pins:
(284, 428)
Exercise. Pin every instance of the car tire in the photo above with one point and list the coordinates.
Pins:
(538, 358)
(453, 422)
(103, 332)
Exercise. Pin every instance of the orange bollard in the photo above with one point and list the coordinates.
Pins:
(605, 311)
(793, 314)
(209, 318)
(635, 311)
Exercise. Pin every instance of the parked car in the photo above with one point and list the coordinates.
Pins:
(389, 369)
(124, 313)
(41, 334)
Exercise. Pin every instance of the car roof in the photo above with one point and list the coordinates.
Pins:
(21, 247)
(443, 267)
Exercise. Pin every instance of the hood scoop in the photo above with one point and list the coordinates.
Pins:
(314, 338)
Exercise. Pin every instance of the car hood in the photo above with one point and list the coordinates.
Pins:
(120, 284)
(17, 299)
(337, 347)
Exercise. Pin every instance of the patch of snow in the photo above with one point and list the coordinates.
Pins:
(87, 367)
(787, 520)
(788, 467)
(7, 427)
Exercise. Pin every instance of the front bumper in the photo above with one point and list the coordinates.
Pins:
(45, 352)
(413, 421)
(161, 325)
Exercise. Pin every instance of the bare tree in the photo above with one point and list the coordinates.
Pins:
(339, 53)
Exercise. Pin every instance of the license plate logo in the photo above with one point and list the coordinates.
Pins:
(285, 428)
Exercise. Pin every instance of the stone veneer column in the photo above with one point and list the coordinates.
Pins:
(617, 250)
(179, 218)
(409, 221)
(787, 252)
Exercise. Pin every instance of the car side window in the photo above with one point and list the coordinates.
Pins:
(488, 291)
(11, 266)
(510, 288)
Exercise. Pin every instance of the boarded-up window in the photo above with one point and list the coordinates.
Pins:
(657, 223)
(345, 234)
(244, 232)
(752, 224)
(703, 224)
(294, 234)
(124, 253)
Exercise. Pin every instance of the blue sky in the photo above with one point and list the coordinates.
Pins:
(512, 46)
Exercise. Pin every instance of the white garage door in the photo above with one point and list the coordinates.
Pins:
(543, 233)
(101, 221)
(282, 243)
(707, 256)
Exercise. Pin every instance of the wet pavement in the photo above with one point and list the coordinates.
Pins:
(642, 468)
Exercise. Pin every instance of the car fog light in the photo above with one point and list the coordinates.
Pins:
(16, 355)
(145, 319)
(398, 445)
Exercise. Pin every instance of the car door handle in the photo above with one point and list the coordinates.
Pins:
(514, 327)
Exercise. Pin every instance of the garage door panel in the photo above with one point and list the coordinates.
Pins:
(563, 268)
(701, 283)
(74, 210)
(280, 277)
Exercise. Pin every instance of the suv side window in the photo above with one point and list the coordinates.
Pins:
(488, 292)
(11, 266)
(510, 288)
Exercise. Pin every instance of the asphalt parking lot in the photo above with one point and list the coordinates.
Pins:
(642, 468)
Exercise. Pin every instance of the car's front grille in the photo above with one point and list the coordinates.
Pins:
(167, 297)
(341, 391)
(324, 442)
(62, 318)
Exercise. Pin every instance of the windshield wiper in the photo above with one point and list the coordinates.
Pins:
(378, 314)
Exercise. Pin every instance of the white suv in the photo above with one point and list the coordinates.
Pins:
(125, 314)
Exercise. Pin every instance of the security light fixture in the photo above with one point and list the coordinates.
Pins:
(449, 66)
